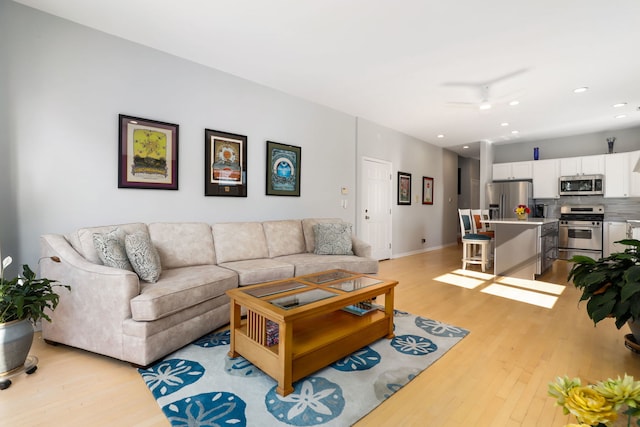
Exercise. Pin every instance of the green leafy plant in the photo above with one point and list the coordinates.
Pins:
(26, 296)
(611, 285)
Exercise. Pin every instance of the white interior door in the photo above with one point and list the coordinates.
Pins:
(376, 206)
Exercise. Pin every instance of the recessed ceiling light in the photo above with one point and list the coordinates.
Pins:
(440, 136)
(621, 116)
(619, 104)
(485, 106)
(504, 124)
(515, 132)
(581, 89)
(514, 103)
(465, 147)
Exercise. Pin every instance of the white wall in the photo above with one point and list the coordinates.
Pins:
(66, 86)
(411, 223)
(570, 146)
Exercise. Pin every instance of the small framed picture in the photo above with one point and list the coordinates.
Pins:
(147, 154)
(225, 164)
(404, 188)
(427, 190)
(283, 169)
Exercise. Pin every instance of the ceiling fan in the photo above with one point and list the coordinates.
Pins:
(483, 90)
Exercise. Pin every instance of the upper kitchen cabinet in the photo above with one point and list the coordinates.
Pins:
(585, 165)
(634, 179)
(511, 171)
(545, 179)
(617, 172)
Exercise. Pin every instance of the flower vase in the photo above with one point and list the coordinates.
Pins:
(522, 216)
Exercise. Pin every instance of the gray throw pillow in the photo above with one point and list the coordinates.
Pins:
(111, 250)
(333, 238)
(143, 256)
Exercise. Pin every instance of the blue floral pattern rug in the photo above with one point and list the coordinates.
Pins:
(199, 385)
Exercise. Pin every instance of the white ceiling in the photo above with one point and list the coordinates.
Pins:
(391, 62)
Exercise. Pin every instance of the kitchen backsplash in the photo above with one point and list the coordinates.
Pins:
(614, 209)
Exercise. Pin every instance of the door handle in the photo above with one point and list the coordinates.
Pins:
(366, 217)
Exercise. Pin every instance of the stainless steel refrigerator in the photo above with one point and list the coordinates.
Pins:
(503, 197)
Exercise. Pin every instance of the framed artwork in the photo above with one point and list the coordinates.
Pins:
(225, 164)
(404, 188)
(427, 190)
(283, 169)
(147, 153)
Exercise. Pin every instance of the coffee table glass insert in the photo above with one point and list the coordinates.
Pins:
(276, 288)
(329, 276)
(355, 284)
(302, 298)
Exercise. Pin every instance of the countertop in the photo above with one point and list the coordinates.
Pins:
(529, 221)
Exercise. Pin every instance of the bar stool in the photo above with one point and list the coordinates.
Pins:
(475, 247)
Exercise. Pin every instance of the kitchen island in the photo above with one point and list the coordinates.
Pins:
(524, 248)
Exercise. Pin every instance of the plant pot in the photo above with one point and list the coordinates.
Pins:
(635, 329)
(15, 342)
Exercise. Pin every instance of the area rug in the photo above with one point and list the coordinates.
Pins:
(199, 385)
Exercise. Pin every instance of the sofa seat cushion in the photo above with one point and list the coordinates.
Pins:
(312, 263)
(183, 244)
(284, 237)
(236, 241)
(255, 271)
(180, 288)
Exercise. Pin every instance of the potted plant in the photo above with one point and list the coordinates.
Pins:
(611, 286)
(23, 300)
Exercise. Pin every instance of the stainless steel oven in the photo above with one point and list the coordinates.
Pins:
(580, 231)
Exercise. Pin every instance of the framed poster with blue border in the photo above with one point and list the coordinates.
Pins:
(283, 169)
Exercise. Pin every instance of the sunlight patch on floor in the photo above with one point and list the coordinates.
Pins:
(533, 285)
(529, 297)
(457, 280)
(476, 274)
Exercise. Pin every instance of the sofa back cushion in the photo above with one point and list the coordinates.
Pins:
(284, 237)
(82, 239)
(183, 244)
(235, 241)
(307, 228)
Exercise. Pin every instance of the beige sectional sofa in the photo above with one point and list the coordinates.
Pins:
(111, 311)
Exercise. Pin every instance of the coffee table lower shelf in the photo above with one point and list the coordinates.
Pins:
(312, 344)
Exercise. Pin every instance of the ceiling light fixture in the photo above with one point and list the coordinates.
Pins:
(440, 136)
(621, 116)
(619, 104)
(485, 106)
(504, 124)
(515, 132)
(514, 103)
(581, 89)
(465, 147)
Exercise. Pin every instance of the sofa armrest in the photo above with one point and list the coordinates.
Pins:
(91, 313)
(360, 247)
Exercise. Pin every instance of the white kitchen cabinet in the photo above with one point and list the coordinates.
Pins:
(545, 179)
(613, 231)
(509, 171)
(634, 178)
(617, 173)
(585, 165)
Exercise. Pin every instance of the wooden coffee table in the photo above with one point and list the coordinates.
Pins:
(310, 314)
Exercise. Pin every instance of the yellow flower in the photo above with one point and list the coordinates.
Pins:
(590, 407)
(560, 390)
(577, 425)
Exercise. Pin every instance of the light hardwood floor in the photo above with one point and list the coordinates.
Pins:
(496, 376)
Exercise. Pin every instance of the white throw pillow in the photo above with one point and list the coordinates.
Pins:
(143, 256)
(333, 238)
(111, 250)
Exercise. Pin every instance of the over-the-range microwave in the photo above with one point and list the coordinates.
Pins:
(581, 185)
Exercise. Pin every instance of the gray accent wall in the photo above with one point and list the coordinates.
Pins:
(66, 85)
